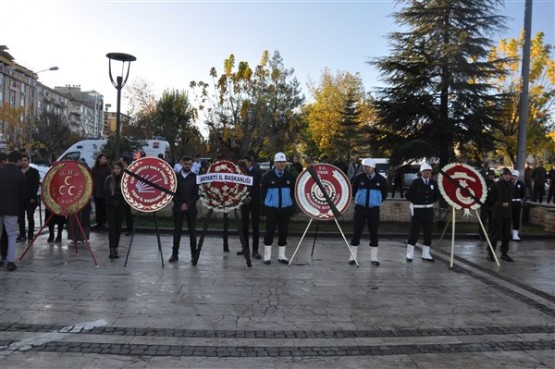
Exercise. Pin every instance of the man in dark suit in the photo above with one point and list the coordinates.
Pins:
(32, 179)
(12, 198)
(251, 205)
(185, 206)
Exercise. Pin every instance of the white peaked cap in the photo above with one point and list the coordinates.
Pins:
(515, 172)
(280, 157)
(425, 166)
(368, 162)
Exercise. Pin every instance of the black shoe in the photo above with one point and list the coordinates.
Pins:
(30, 237)
(376, 263)
(11, 267)
(20, 239)
(506, 257)
(116, 255)
(283, 261)
(249, 263)
(226, 249)
(256, 255)
(429, 260)
(409, 260)
(267, 262)
(490, 258)
(352, 262)
(128, 233)
(58, 239)
(173, 258)
(112, 254)
(240, 252)
(50, 238)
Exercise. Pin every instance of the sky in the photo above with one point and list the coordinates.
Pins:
(176, 42)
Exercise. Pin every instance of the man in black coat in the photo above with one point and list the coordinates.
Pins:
(12, 198)
(500, 197)
(519, 194)
(422, 194)
(32, 178)
(251, 205)
(185, 206)
(539, 176)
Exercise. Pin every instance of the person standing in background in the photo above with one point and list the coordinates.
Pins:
(32, 179)
(250, 208)
(539, 176)
(100, 171)
(115, 207)
(519, 194)
(551, 178)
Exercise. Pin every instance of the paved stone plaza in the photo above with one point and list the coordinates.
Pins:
(59, 311)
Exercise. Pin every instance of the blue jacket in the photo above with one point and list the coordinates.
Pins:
(369, 193)
(278, 192)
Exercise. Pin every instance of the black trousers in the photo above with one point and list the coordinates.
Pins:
(485, 217)
(56, 219)
(277, 217)
(516, 208)
(4, 244)
(28, 211)
(539, 192)
(100, 208)
(422, 218)
(369, 216)
(395, 188)
(226, 231)
(178, 217)
(251, 212)
(128, 218)
(114, 215)
(500, 230)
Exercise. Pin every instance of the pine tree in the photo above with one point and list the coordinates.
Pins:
(350, 123)
(436, 100)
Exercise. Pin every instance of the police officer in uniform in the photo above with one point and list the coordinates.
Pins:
(500, 198)
(250, 208)
(370, 190)
(519, 194)
(278, 188)
(422, 194)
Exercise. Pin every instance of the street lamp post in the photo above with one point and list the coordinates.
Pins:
(49, 69)
(118, 84)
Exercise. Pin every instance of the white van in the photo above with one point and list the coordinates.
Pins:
(89, 149)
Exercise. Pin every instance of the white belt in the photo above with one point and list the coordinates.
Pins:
(517, 199)
(423, 206)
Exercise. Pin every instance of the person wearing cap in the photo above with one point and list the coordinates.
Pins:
(485, 209)
(500, 198)
(519, 194)
(422, 194)
(277, 190)
(369, 190)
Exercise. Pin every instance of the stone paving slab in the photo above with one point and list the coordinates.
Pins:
(58, 310)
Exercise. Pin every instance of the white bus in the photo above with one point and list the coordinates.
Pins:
(89, 149)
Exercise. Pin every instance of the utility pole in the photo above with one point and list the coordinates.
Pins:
(523, 109)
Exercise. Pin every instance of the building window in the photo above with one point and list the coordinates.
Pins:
(12, 98)
(22, 88)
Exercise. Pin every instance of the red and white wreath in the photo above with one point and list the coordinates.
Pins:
(223, 196)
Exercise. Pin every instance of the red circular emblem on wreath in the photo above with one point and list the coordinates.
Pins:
(310, 198)
(67, 187)
(138, 189)
(461, 186)
(223, 187)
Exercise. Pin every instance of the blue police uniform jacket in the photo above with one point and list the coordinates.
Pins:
(278, 192)
(369, 192)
